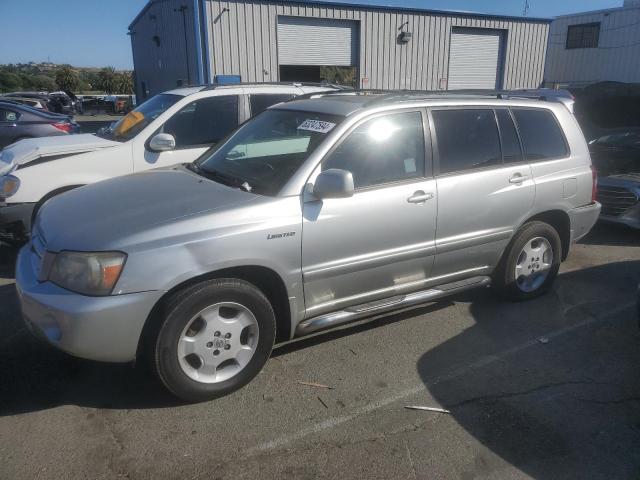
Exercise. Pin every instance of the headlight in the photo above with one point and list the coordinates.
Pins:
(87, 273)
(9, 185)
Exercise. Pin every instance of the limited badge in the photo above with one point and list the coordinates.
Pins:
(316, 126)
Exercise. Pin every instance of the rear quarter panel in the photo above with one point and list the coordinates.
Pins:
(564, 183)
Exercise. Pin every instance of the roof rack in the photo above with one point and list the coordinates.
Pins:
(383, 96)
(213, 86)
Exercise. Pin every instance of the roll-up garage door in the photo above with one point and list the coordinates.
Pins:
(315, 41)
(475, 59)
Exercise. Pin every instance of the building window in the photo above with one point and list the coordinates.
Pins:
(585, 35)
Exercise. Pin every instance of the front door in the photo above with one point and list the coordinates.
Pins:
(196, 127)
(379, 242)
(485, 189)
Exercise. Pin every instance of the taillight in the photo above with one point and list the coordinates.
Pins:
(65, 127)
(594, 184)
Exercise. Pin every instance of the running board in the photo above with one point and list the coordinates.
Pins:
(357, 312)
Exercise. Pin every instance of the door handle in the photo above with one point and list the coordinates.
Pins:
(419, 197)
(518, 178)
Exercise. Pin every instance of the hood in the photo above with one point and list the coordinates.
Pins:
(109, 214)
(30, 149)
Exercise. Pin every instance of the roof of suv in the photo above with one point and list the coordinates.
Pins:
(303, 86)
(346, 103)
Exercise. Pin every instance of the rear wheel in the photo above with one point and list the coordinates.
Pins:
(531, 262)
(213, 339)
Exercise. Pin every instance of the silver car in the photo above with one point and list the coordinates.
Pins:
(315, 213)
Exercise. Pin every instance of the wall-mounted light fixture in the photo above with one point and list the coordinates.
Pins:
(405, 35)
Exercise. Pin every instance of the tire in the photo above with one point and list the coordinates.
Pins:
(539, 267)
(237, 334)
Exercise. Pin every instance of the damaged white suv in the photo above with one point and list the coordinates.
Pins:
(174, 127)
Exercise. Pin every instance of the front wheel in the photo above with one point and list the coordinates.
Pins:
(531, 262)
(214, 338)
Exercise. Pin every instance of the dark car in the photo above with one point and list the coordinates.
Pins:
(616, 158)
(20, 121)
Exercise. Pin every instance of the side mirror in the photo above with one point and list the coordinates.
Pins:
(333, 183)
(162, 142)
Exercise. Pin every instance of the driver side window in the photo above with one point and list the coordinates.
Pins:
(203, 122)
(381, 150)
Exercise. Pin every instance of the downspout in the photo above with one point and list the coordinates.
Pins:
(207, 53)
(198, 42)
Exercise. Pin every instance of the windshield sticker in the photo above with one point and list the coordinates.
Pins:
(317, 126)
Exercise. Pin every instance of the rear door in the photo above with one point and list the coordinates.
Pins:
(196, 127)
(485, 190)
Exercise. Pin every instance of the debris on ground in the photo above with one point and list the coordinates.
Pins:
(317, 385)
(428, 409)
(323, 404)
(543, 340)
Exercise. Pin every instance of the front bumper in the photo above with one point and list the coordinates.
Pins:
(583, 219)
(15, 218)
(97, 328)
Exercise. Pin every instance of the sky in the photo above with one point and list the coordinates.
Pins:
(93, 33)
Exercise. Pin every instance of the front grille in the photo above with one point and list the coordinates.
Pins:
(616, 200)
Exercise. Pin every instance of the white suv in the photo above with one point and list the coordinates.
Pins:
(174, 127)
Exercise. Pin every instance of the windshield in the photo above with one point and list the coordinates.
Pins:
(263, 155)
(135, 121)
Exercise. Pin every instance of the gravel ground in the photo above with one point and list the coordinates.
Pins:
(544, 389)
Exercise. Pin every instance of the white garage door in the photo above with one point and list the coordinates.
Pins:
(315, 41)
(475, 59)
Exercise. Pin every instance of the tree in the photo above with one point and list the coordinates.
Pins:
(124, 83)
(107, 79)
(67, 79)
(9, 82)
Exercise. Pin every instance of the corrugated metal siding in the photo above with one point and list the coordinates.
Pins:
(160, 67)
(475, 59)
(617, 57)
(310, 41)
(243, 41)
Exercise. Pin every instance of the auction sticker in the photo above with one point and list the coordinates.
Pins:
(316, 126)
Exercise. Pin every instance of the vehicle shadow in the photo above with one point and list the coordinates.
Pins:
(35, 376)
(550, 386)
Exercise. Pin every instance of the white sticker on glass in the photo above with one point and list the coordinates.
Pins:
(316, 126)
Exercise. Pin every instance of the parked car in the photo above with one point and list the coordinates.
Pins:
(30, 102)
(619, 195)
(53, 104)
(173, 127)
(18, 122)
(315, 213)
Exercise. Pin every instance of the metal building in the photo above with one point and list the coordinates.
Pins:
(595, 46)
(179, 42)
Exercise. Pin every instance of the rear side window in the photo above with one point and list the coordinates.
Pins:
(510, 144)
(467, 139)
(204, 122)
(260, 102)
(541, 136)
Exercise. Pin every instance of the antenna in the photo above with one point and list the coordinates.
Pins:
(525, 11)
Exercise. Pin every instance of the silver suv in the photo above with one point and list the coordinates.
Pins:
(315, 213)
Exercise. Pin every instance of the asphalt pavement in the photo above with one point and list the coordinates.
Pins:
(544, 389)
